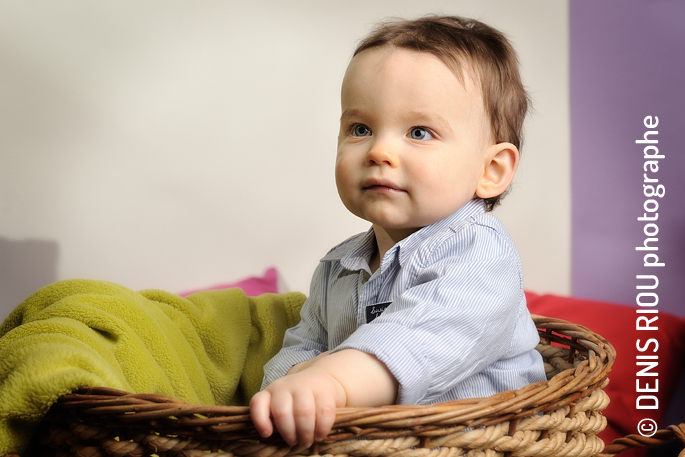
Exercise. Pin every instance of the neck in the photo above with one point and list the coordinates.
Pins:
(386, 239)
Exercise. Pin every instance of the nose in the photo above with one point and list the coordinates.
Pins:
(381, 153)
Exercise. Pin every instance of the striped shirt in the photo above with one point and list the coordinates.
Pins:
(445, 311)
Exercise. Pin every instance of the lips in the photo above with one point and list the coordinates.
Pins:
(381, 185)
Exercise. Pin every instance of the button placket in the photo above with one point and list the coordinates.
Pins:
(368, 294)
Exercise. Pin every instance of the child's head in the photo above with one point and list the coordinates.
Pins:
(481, 61)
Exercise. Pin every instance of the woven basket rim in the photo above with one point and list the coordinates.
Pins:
(594, 357)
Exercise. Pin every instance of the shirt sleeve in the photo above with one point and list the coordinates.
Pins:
(458, 316)
(307, 339)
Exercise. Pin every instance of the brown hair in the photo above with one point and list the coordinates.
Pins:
(456, 40)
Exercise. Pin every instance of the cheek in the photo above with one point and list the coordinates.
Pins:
(434, 174)
(444, 177)
(342, 173)
(339, 168)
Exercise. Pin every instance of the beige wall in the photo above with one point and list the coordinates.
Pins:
(174, 145)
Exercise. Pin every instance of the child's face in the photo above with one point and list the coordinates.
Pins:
(412, 139)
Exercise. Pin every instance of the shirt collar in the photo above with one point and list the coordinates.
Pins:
(407, 246)
(356, 254)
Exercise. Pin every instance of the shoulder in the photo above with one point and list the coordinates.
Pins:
(486, 232)
(476, 260)
(476, 238)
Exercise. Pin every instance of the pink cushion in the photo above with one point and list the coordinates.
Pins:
(253, 286)
(616, 323)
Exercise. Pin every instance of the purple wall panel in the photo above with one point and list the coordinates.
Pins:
(627, 62)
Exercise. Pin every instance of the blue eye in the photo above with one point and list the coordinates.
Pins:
(360, 130)
(420, 133)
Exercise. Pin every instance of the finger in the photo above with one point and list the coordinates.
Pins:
(260, 409)
(282, 413)
(325, 417)
(304, 414)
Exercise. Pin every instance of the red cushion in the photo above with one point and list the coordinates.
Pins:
(617, 324)
(252, 286)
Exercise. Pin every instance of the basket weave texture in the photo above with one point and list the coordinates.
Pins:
(559, 417)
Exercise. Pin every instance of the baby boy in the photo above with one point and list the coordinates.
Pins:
(428, 305)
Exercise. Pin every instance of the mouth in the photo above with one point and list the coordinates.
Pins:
(381, 185)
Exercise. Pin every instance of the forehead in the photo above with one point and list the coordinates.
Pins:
(462, 68)
(392, 77)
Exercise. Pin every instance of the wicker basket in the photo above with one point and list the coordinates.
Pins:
(559, 417)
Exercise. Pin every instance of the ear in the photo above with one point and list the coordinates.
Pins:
(499, 166)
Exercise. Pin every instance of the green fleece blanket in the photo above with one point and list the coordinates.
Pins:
(207, 348)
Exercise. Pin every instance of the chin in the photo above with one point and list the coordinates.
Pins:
(397, 227)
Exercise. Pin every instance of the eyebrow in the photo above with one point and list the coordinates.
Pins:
(351, 113)
(417, 116)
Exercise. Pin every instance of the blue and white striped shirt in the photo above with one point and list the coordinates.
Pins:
(445, 311)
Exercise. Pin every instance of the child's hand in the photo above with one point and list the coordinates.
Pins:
(302, 405)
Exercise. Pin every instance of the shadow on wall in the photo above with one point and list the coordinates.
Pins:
(25, 266)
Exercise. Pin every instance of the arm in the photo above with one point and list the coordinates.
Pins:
(306, 364)
(303, 403)
(305, 341)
